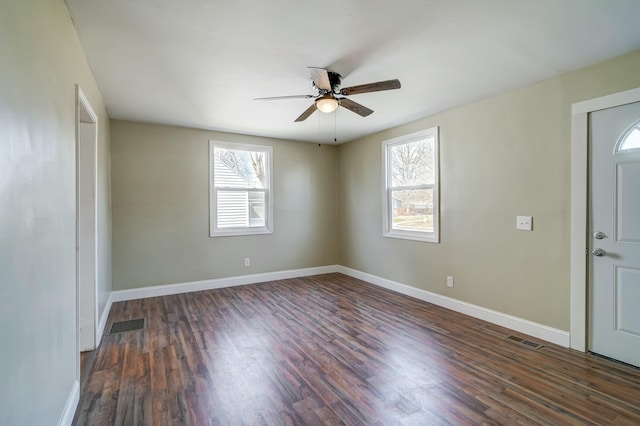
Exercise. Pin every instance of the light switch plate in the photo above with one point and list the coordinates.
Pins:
(524, 223)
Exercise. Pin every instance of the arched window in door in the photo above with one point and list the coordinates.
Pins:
(630, 138)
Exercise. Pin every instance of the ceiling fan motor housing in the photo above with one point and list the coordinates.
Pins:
(335, 80)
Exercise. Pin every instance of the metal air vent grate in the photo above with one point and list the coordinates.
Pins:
(525, 342)
(129, 325)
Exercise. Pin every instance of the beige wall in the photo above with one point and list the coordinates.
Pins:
(501, 157)
(161, 208)
(41, 62)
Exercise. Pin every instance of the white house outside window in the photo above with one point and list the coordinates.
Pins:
(240, 189)
(411, 199)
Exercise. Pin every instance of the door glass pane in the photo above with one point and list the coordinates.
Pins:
(630, 139)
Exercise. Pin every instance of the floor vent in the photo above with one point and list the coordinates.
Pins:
(129, 325)
(529, 343)
(615, 360)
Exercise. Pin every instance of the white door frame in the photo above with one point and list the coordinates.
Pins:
(579, 207)
(87, 213)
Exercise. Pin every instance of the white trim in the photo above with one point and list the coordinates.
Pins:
(540, 331)
(579, 244)
(187, 287)
(86, 114)
(72, 404)
(214, 231)
(87, 105)
(604, 102)
(579, 208)
(103, 319)
(387, 202)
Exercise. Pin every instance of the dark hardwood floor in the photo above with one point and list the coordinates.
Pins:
(331, 349)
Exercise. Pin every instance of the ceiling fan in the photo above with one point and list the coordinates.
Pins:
(329, 95)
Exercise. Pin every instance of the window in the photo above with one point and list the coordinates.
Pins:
(630, 139)
(411, 203)
(240, 189)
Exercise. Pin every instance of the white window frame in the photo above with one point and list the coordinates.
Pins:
(387, 202)
(214, 231)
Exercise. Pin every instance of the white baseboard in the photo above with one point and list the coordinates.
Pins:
(540, 331)
(549, 334)
(70, 407)
(187, 287)
(103, 319)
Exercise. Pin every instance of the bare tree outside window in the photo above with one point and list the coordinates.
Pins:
(412, 167)
(412, 163)
(247, 164)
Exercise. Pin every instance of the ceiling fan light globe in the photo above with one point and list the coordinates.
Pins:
(327, 104)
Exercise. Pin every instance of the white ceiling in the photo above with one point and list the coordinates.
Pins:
(200, 63)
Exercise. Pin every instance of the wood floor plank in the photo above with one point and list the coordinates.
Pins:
(331, 349)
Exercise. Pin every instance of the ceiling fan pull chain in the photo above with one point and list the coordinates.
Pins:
(335, 127)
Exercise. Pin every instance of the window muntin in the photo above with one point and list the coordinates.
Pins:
(411, 203)
(240, 186)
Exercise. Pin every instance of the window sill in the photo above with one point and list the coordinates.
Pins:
(415, 236)
(240, 232)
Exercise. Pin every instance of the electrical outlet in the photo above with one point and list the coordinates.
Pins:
(247, 261)
(449, 281)
(524, 223)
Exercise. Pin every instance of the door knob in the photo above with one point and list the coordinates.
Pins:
(599, 235)
(598, 252)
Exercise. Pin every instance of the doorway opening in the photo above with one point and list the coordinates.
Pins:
(86, 226)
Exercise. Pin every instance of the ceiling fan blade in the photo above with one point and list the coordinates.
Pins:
(371, 87)
(355, 107)
(275, 98)
(320, 78)
(307, 113)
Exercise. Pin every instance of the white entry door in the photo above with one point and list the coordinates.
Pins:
(614, 263)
